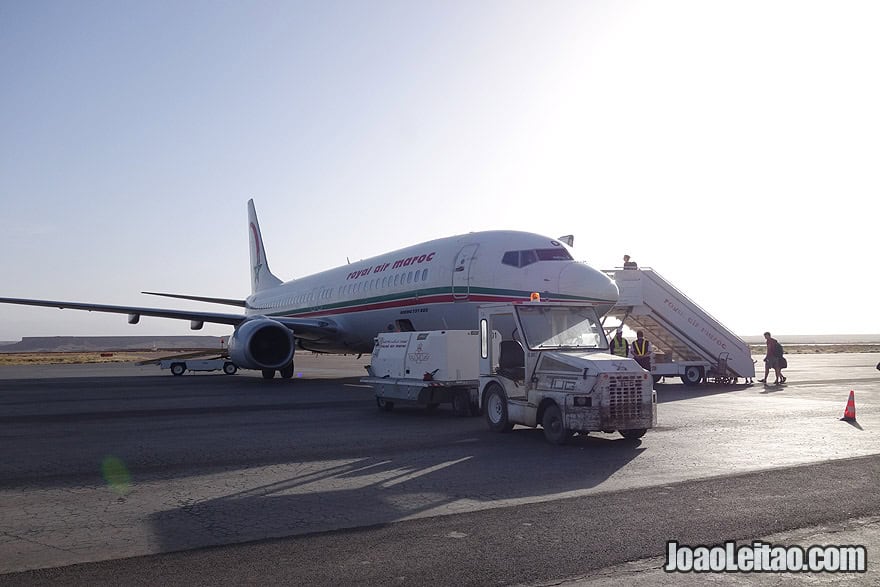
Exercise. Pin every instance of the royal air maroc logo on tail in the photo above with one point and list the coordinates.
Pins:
(257, 246)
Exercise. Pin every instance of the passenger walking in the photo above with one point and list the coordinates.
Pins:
(773, 360)
(641, 350)
(619, 346)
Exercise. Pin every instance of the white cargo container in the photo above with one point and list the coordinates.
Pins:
(447, 355)
(426, 368)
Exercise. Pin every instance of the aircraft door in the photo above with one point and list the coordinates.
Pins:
(461, 272)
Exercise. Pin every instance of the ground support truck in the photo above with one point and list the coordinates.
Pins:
(688, 342)
(179, 366)
(537, 364)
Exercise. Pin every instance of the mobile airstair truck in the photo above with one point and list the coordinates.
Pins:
(696, 347)
(539, 363)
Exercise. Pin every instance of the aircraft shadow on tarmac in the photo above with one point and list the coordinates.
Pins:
(493, 470)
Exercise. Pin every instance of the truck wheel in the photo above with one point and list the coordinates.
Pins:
(178, 369)
(692, 375)
(229, 368)
(268, 373)
(384, 404)
(287, 371)
(633, 434)
(554, 425)
(495, 408)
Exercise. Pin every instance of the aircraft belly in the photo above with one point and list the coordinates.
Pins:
(359, 330)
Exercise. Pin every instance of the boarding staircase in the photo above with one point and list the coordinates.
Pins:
(676, 325)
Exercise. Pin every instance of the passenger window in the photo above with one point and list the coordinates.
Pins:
(409, 277)
(424, 275)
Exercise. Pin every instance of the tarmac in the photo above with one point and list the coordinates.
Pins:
(118, 472)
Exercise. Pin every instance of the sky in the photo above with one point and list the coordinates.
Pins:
(731, 146)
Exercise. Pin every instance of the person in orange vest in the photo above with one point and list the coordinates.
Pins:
(641, 350)
(619, 346)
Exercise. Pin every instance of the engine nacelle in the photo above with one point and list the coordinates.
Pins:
(261, 343)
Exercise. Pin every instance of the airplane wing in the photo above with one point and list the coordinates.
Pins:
(226, 301)
(302, 327)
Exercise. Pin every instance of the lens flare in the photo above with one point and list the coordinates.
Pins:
(116, 475)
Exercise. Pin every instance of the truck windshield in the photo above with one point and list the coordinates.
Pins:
(556, 327)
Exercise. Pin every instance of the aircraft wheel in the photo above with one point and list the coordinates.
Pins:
(229, 368)
(495, 408)
(287, 371)
(178, 369)
(554, 425)
(384, 404)
(633, 434)
(692, 375)
(268, 373)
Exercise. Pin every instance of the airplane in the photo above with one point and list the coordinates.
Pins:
(438, 284)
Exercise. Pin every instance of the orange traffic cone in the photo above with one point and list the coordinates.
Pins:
(849, 414)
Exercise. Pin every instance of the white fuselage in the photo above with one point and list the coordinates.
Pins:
(434, 285)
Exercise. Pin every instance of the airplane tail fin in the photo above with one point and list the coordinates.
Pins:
(261, 277)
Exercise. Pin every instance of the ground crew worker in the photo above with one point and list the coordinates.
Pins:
(641, 349)
(619, 346)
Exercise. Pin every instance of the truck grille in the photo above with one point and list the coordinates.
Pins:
(625, 396)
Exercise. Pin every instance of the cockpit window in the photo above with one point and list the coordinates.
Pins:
(558, 254)
(527, 258)
(524, 258)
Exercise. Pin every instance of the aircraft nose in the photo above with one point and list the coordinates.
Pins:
(582, 282)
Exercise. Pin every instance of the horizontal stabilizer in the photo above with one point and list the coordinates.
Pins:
(226, 301)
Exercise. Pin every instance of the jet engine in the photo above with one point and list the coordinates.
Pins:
(261, 343)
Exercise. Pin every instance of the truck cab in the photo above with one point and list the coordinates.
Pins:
(548, 364)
